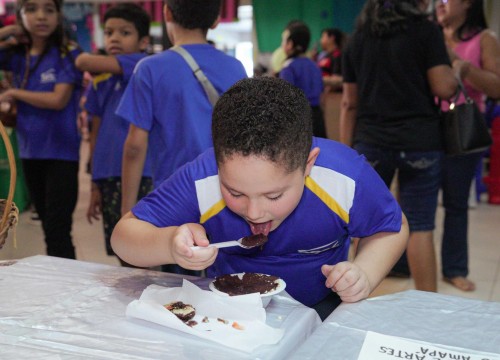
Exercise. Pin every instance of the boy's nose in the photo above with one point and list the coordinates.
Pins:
(254, 211)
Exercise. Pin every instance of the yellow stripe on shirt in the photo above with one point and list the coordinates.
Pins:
(99, 78)
(327, 199)
(214, 210)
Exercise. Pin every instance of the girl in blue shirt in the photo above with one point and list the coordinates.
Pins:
(302, 72)
(47, 89)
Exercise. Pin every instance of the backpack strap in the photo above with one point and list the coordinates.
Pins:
(212, 94)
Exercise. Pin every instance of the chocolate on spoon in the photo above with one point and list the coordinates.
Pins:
(254, 240)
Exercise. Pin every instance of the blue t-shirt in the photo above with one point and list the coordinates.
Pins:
(102, 101)
(303, 73)
(343, 197)
(46, 133)
(165, 98)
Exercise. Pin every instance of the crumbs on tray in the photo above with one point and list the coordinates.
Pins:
(186, 313)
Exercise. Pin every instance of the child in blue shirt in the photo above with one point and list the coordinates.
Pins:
(267, 174)
(47, 88)
(126, 36)
(168, 110)
(166, 105)
(302, 72)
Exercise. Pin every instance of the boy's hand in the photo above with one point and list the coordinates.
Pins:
(15, 35)
(95, 207)
(188, 235)
(347, 280)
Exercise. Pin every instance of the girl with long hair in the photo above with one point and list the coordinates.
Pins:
(46, 90)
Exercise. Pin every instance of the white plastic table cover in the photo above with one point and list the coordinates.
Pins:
(417, 315)
(53, 308)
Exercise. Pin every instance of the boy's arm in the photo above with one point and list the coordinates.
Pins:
(376, 255)
(95, 205)
(98, 63)
(334, 81)
(134, 157)
(143, 244)
(54, 100)
(96, 124)
(12, 35)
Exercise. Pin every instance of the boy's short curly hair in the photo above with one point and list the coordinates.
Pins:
(194, 14)
(265, 117)
(132, 13)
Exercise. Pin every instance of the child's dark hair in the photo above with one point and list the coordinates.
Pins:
(194, 14)
(300, 36)
(132, 13)
(337, 34)
(57, 38)
(266, 117)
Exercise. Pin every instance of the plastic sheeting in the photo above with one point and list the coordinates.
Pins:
(433, 318)
(53, 308)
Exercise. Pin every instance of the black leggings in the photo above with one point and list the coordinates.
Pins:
(53, 188)
(111, 197)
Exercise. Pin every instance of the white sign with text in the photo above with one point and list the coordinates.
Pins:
(383, 347)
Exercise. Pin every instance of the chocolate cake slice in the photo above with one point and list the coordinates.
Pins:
(185, 312)
(249, 283)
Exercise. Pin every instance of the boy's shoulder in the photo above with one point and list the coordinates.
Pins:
(339, 157)
(197, 51)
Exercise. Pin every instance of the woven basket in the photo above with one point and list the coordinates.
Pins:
(8, 210)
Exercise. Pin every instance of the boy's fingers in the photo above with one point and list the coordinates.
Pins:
(326, 269)
(334, 274)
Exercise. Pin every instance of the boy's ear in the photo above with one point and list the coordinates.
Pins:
(311, 159)
(167, 14)
(216, 22)
(144, 42)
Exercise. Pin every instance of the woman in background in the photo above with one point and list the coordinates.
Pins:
(475, 55)
(393, 66)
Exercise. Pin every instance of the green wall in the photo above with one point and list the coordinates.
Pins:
(271, 17)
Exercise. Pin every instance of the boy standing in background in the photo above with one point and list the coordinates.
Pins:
(167, 107)
(165, 103)
(126, 36)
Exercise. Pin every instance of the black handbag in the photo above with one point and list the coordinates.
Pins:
(465, 130)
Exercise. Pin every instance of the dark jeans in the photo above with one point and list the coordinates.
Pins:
(53, 187)
(458, 172)
(419, 175)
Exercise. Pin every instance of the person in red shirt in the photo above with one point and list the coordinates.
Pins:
(330, 59)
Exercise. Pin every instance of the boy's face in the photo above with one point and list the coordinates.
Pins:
(325, 41)
(260, 191)
(286, 44)
(121, 37)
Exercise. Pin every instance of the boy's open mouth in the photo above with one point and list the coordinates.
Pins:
(261, 228)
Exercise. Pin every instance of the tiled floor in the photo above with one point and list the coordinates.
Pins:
(484, 246)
